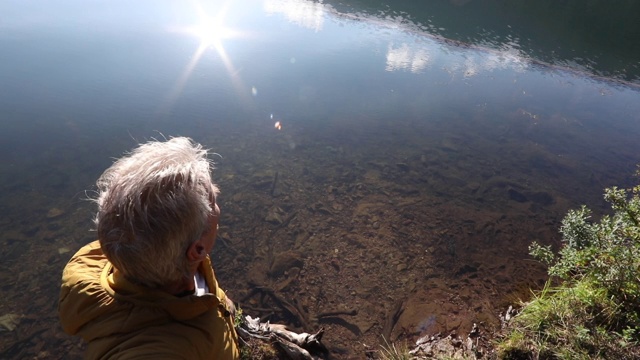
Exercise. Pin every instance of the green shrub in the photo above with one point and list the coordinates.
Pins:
(595, 312)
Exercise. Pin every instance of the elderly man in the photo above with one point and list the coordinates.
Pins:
(146, 288)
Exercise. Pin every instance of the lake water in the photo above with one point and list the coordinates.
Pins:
(421, 148)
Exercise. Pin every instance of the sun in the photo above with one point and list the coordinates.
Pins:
(211, 31)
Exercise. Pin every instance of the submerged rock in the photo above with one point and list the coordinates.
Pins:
(54, 213)
(63, 250)
(275, 215)
(542, 198)
(515, 195)
(9, 321)
(285, 261)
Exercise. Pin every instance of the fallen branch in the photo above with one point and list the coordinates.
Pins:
(291, 344)
(352, 312)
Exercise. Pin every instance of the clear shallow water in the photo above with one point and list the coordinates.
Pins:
(417, 159)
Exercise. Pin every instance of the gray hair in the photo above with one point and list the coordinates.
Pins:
(153, 203)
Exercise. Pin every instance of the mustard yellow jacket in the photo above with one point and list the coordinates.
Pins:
(120, 320)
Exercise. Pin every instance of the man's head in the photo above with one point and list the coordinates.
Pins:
(154, 204)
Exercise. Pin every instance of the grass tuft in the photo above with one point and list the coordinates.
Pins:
(394, 351)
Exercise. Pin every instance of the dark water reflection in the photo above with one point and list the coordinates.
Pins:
(423, 148)
(590, 36)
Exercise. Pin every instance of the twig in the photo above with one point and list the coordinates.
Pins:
(253, 291)
(274, 184)
(285, 305)
(227, 245)
(352, 312)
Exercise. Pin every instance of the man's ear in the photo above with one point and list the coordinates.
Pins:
(196, 252)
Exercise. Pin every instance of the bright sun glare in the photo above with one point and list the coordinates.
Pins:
(212, 32)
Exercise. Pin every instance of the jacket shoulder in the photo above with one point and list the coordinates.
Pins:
(82, 297)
